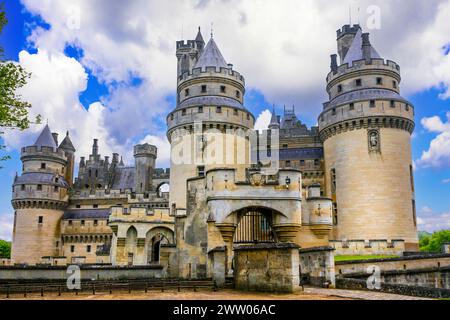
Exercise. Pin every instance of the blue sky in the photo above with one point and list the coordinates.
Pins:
(122, 73)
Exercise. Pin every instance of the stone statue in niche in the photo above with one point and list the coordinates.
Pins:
(374, 141)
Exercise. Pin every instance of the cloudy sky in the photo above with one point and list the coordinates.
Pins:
(106, 69)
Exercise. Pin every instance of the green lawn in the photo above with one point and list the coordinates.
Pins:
(367, 257)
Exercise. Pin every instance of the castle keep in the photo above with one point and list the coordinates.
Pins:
(346, 183)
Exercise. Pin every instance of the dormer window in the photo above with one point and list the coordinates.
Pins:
(203, 88)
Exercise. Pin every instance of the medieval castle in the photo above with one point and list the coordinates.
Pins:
(347, 183)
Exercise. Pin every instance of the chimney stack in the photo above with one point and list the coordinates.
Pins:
(366, 48)
(334, 64)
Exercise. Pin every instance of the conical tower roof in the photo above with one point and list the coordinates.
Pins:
(274, 120)
(199, 37)
(67, 144)
(211, 57)
(355, 52)
(45, 139)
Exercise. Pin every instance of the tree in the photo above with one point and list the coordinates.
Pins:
(13, 111)
(5, 249)
(434, 242)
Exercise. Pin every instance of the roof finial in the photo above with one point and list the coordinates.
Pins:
(350, 13)
(212, 30)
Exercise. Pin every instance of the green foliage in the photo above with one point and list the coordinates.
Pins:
(13, 111)
(362, 257)
(5, 249)
(433, 242)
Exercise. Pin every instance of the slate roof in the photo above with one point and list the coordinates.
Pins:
(67, 144)
(45, 139)
(211, 57)
(124, 178)
(78, 214)
(41, 178)
(355, 52)
(365, 94)
(211, 101)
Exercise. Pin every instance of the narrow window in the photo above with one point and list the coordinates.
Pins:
(43, 165)
(201, 171)
(372, 103)
(219, 110)
(316, 162)
(394, 84)
(186, 92)
(358, 82)
(95, 206)
(352, 106)
(335, 214)
(392, 104)
(302, 163)
(171, 117)
(72, 249)
(56, 189)
(411, 177)
(83, 222)
(22, 187)
(414, 212)
(39, 187)
(223, 89)
(88, 248)
(407, 107)
(203, 88)
(70, 222)
(235, 112)
(339, 88)
(238, 94)
(333, 181)
(78, 206)
(95, 222)
(183, 112)
(40, 219)
(333, 112)
(200, 109)
(288, 163)
(379, 81)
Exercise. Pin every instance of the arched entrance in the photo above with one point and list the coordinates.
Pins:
(255, 226)
(156, 238)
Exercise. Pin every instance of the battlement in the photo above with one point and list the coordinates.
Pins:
(189, 44)
(360, 65)
(212, 72)
(348, 29)
(27, 153)
(369, 246)
(145, 150)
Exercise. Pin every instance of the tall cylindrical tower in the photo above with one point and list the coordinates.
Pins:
(40, 196)
(208, 127)
(145, 158)
(366, 129)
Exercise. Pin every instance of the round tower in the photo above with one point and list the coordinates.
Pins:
(208, 127)
(40, 196)
(366, 129)
(145, 157)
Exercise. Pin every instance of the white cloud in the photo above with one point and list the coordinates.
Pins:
(446, 181)
(6, 226)
(438, 154)
(282, 50)
(430, 221)
(263, 120)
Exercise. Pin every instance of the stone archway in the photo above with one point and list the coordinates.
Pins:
(154, 239)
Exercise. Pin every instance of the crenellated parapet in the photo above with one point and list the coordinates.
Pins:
(201, 73)
(37, 153)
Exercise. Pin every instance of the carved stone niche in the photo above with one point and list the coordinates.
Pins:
(374, 141)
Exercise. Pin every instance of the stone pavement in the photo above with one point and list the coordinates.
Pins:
(359, 294)
(310, 293)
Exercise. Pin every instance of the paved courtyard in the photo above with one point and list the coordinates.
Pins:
(308, 294)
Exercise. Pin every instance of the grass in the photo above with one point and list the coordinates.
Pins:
(366, 257)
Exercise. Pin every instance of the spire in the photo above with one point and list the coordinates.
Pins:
(199, 37)
(121, 164)
(67, 144)
(355, 52)
(211, 57)
(95, 148)
(45, 139)
(274, 124)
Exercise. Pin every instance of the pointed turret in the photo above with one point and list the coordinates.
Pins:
(67, 144)
(121, 164)
(211, 57)
(199, 39)
(274, 124)
(45, 139)
(361, 49)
